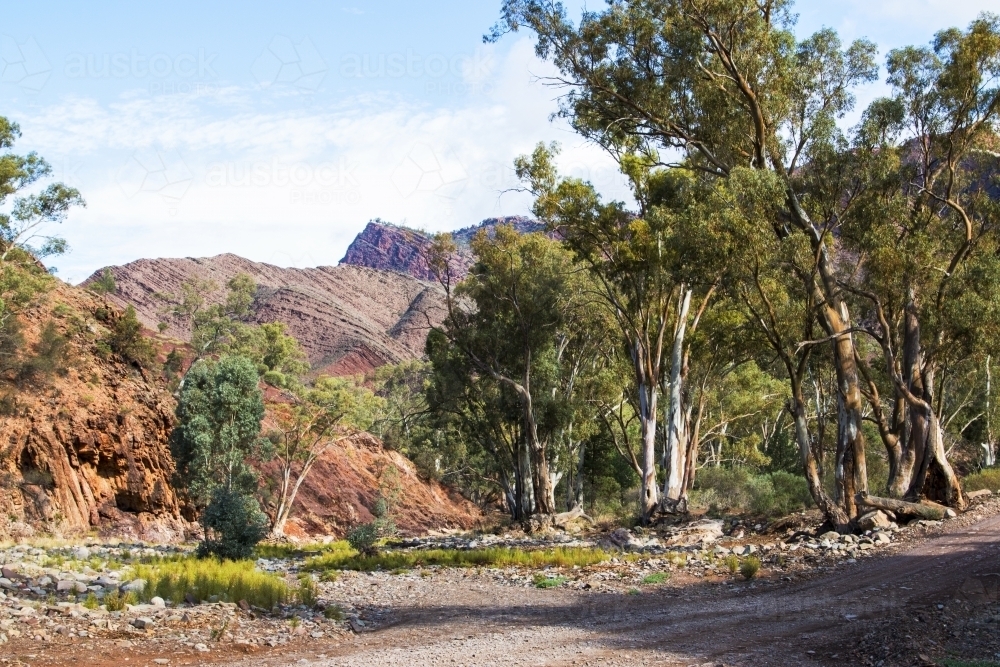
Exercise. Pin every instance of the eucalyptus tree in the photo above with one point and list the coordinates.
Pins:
(721, 86)
(922, 225)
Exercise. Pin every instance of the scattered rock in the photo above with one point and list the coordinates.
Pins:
(981, 493)
(143, 623)
(872, 520)
(157, 601)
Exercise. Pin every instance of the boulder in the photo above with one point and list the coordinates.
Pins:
(698, 532)
(872, 520)
(143, 623)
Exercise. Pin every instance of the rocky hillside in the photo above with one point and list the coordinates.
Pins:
(83, 439)
(349, 319)
(342, 489)
(84, 444)
(386, 246)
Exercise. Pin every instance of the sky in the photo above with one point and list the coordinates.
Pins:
(276, 131)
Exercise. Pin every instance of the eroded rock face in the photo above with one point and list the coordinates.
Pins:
(385, 246)
(86, 448)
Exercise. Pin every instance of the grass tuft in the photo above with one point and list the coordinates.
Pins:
(493, 557)
(91, 602)
(732, 563)
(115, 601)
(172, 579)
(749, 567)
(543, 581)
(307, 593)
(656, 578)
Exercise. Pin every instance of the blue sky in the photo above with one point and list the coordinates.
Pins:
(277, 130)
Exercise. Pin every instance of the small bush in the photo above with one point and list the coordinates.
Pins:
(90, 602)
(775, 494)
(987, 478)
(732, 563)
(233, 525)
(749, 567)
(115, 601)
(656, 578)
(543, 581)
(307, 594)
(173, 579)
(51, 355)
(333, 613)
(126, 340)
(367, 537)
(104, 283)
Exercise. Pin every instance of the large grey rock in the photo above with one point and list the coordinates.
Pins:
(135, 586)
(872, 520)
(143, 623)
(699, 532)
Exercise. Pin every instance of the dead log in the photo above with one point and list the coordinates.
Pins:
(925, 509)
(560, 520)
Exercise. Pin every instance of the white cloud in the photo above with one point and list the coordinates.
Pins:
(245, 171)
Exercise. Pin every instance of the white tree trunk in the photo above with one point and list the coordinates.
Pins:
(676, 450)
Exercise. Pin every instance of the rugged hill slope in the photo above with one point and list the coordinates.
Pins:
(374, 308)
(385, 246)
(349, 319)
(85, 446)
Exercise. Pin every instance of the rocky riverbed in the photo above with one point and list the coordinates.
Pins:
(52, 595)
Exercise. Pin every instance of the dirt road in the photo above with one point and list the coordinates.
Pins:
(833, 618)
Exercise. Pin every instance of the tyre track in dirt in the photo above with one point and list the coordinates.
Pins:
(748, 624)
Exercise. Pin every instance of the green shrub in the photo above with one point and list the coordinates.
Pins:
(749, 567)
(732, 563)
(333, 613)
(173, 579)
(90, 602)
(987, 478)
(656, 578)
(51, 355)
(774, 494)
(115, 601)
(233, 525)
(125, 339)
(104, 283)
(367, 537)
(307, 594)
(543, 581)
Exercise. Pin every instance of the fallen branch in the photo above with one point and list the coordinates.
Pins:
(925, 509)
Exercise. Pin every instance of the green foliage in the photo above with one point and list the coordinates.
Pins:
(547, 581)
(232, 581)
(90, 602)
(732, 563)
(492, 557)
(307, 593)
(104, 283)
(987, 478)
(125, 339)
(219, 413)
(656, 578)
(333, 613)
(116, 601)
(23, 222)
(749, 567)
(233, 525)
(51, 354)
(367, 537)
(738, 489)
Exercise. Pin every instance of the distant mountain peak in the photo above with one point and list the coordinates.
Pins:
(389, 247)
